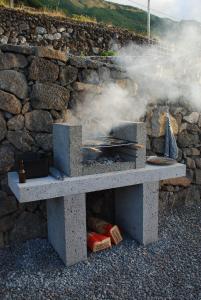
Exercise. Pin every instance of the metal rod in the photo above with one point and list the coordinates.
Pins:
(149, 20)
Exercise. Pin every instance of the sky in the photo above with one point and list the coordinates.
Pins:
(177, 9)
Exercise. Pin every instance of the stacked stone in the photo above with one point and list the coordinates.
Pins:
(186, 125)
(22, 28)
(38, 85)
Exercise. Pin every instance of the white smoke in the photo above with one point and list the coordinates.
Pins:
(154, 73)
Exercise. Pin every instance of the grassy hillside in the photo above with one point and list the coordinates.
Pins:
(123, 16)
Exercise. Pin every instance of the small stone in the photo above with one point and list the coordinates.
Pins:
(22, 40)
(199, 121)
(26, 108)
(44, 141)
(57, 36)
(68, 75)
(9, 103)
(195, 152)
(190, 163)
(21, 139)
(49, 37)
(14, 82)
(16, 123)
(6, 158)
(3, 128)
(61, 29)
(3, 39)
(51, 53)
(38, 120)
(43, 70)
(70, 30)
(96, 50)
(65, 36)
(40, 30)
(1, 31)
(192, 118)
(49, 96)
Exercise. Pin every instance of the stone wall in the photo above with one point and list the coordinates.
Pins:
(21, 28)
(40, 86)
(186, 125)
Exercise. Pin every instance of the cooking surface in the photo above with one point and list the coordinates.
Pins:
(106, 142)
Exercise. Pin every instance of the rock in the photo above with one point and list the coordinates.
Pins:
(38, 120)
(180, 181)
(26, 50)
(26, 108)
(1, 31)
(158, 122)
(186, 139)
(61, 29)
(57, 36)
(21, 139)
(3, 128)
(195, 151)
(49, 96)
(40, 30)
(50, 53)
(28, 226)
(198, 163)
(198, 176)
(14, 82)
(43, 70)
(81, 62)
(10, 61)
(6, 158)
(68, 75)
(117, 74)
(158, 145)
(104, 74)
(190, 163)
(48, 37)
(44, 141)
(95, 50)
(192, 118)
(87, 88)
(7, 223)
(3, 39)
(199, 121)
(66, 36)
(22, 40)
(90, 76)
(191, 195)
(9, 103)
(16, 123)
(8, 205)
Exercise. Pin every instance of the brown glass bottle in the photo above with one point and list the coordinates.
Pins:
(22, 173)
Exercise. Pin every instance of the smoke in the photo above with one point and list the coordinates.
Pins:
(157, 73)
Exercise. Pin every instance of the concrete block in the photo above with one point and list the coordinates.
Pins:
(67, 141)
(67, 227)
(136, 210)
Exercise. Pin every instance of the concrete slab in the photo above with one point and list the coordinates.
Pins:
(67, 227)
(49, 187)
(136, 211)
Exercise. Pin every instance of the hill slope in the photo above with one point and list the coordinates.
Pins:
(128, 17)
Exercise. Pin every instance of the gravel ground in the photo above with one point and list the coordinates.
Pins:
(168, 269)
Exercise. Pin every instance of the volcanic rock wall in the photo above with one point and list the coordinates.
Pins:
(40, 86)
(22, 28)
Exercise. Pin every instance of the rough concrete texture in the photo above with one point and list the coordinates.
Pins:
(136, 210)
(67, 227)
(49, 187)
